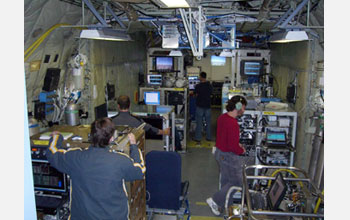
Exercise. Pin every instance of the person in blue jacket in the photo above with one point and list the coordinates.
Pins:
(98, 175)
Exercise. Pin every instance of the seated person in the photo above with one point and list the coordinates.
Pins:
(125, 118)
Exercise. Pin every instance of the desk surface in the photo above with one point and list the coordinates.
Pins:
(144, 110)
(79, 130)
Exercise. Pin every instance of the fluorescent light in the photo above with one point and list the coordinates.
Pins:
(289, 36)
(175, 53)
(172, 3)
(105, 34)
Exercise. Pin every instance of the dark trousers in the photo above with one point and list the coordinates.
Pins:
(231, 174)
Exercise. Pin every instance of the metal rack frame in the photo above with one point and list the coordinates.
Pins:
(249, 213)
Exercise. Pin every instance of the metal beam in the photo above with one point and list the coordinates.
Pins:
(95, 12)
(115, 17)
(296, 11)
(283, 17)
(187, 21)
(188, 31)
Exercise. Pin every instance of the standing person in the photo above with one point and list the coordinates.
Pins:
(203, 91)
(98, 175)
(227, 151)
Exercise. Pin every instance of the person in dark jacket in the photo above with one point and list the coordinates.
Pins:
(97, 173)
(203, 91)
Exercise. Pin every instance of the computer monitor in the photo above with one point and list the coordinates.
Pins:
(47, 178)
(275, 136)
(101, 111)
(276, 192)
(252, 67)
(154, 79)
(217, 60)
(164, 64)
(152, 97)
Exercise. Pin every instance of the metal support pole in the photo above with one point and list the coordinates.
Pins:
(104, 10)
(173, 130)
(83, 11)
(187, 26)
(308, 13)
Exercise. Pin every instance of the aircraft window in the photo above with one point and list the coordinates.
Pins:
(47, 58)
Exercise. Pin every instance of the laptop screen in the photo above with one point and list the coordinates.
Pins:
(276, 192)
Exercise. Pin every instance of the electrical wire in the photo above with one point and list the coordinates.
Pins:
(260, 160)
(318, 203)
(286, 170)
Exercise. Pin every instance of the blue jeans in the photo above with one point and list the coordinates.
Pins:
(200, 113)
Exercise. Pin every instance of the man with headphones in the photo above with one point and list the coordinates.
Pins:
(227, 151)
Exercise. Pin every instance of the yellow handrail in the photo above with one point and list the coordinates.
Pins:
(29, 51)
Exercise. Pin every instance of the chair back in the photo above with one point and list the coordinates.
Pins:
(163, 179)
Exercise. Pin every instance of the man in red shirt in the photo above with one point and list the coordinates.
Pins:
(227, 151)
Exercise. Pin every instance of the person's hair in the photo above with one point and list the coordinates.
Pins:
(101, 132)
(123, 102)
(203, 75)
(231, 104)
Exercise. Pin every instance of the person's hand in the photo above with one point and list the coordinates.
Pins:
(241, 145)
(166, 131)
(132, 138)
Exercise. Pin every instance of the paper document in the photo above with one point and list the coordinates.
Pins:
(47, 135)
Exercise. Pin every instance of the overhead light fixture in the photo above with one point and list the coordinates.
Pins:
(289, 36)
(172, 3)
(225, 53)
(175, 53)
(105, 34)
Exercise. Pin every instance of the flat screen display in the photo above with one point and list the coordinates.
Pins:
(276, 192)
(252, 67)
(152, 98)
(164, 64)
(218, 61)
(276, 136)
(47, 178)
(154, 79)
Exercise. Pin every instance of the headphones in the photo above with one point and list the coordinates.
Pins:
(238, 105)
